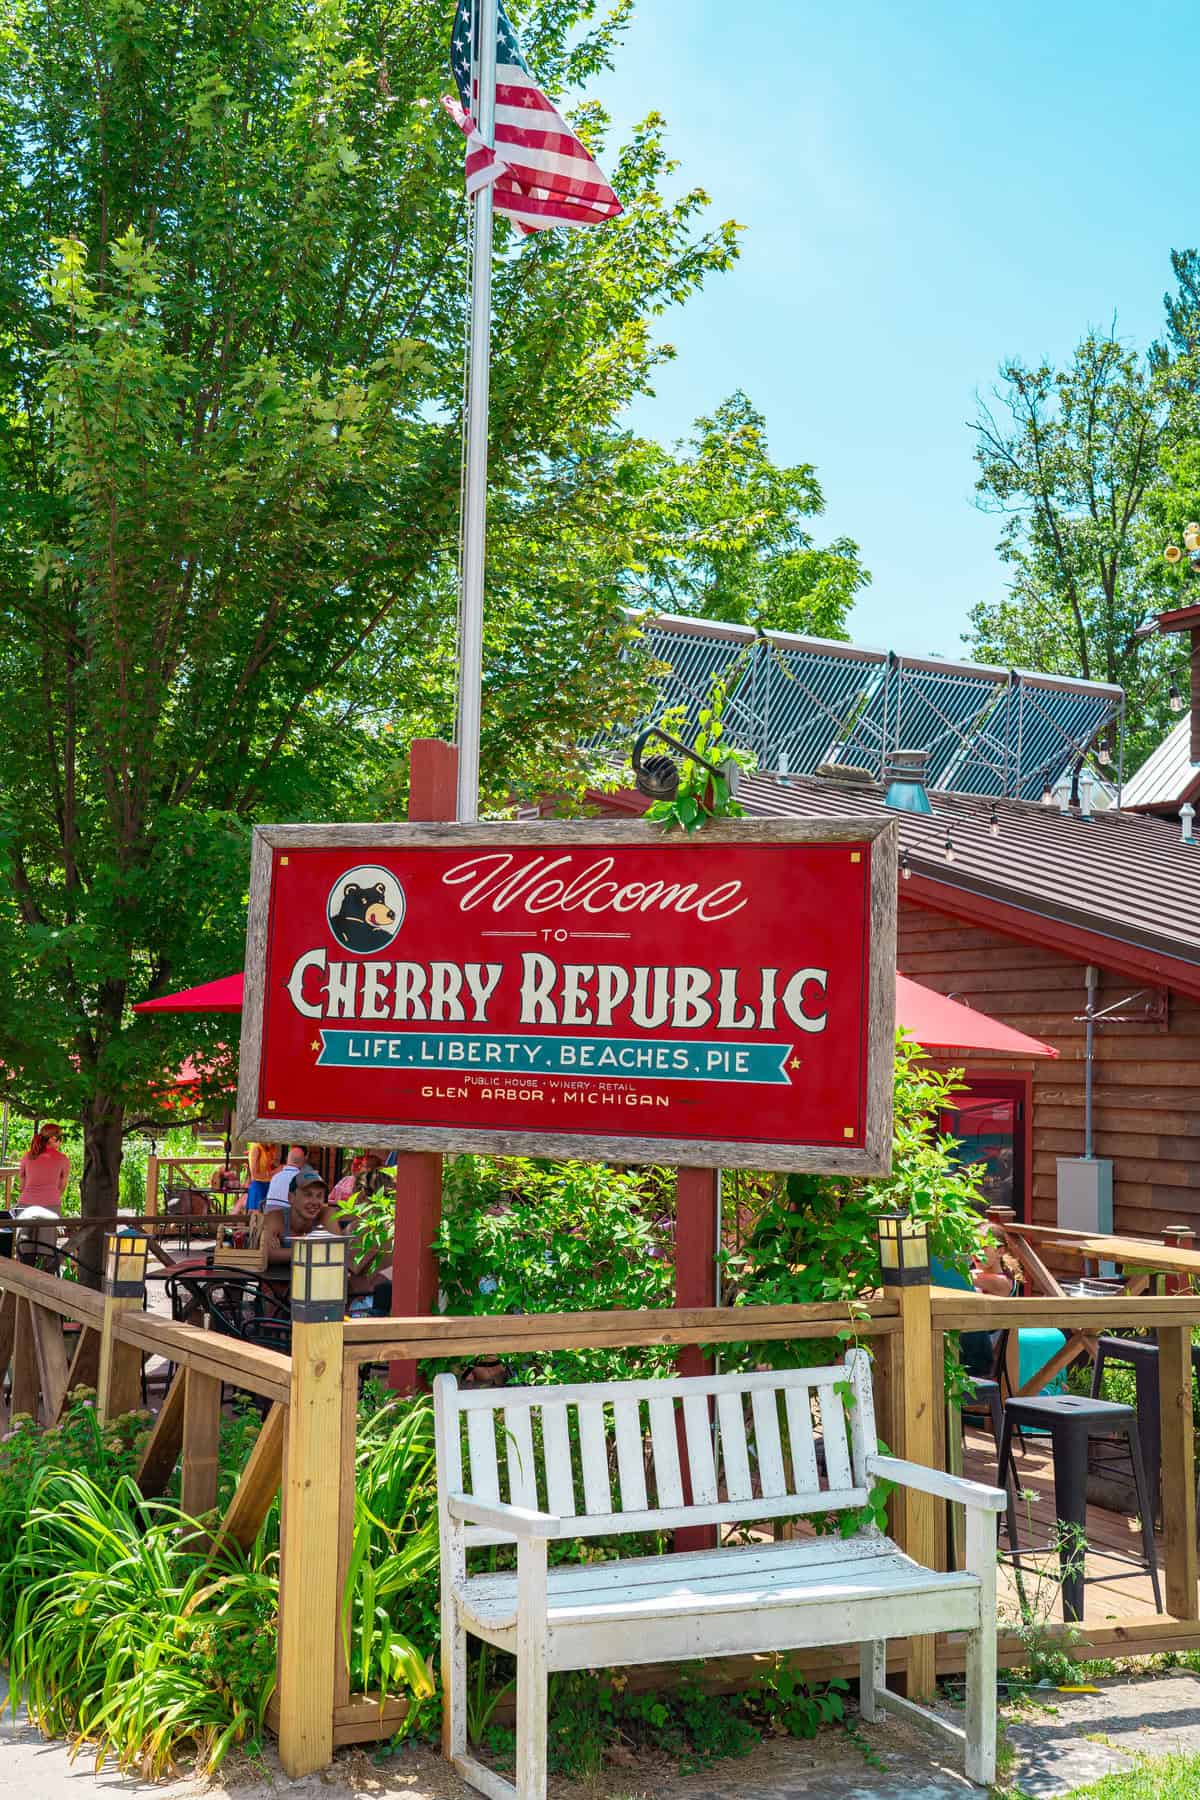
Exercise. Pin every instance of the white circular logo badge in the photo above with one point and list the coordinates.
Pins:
(365, 909)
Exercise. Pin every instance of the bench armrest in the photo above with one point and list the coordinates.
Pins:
(936, 1482)
(496, 1515)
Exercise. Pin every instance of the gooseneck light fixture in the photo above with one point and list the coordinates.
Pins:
(657, 777)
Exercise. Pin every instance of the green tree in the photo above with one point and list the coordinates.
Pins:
(1175, 500)
(230, 366)
(1069, 458)
(720, 530)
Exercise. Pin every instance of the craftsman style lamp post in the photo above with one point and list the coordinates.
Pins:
(318, 1278)
(125, 1265)
(903, 1250)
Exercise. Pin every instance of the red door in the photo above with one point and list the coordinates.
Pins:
(990, 1120)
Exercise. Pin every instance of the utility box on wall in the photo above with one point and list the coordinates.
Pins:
(1085, 1193)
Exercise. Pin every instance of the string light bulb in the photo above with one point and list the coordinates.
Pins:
(1174, 699)
(949, 848)
(1047, 790)
(994, 821)
(905, 866)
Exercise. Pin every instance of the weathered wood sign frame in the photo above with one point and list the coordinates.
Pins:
(869, 1155)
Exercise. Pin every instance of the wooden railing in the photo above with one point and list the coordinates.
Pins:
(310, 1432)
(163, 1172)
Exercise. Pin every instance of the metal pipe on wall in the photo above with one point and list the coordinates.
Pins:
(1092, 980)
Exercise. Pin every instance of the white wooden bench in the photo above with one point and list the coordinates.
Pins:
(528, 1465)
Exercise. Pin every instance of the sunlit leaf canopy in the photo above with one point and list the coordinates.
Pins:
(231, 327)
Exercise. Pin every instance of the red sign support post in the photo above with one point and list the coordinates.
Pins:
(432, 789)
(696, 1245)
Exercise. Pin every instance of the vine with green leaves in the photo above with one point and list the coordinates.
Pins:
(706, 781)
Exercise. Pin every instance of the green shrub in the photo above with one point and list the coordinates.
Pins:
(123, 1635)
(526, 1237)
(390, 1607)
(119, 1633)
(814, 1238)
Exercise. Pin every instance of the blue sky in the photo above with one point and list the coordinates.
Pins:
(926, 189)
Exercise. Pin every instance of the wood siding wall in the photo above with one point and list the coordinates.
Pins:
(1147, 1077)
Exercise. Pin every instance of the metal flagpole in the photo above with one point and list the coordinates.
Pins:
(474, 535)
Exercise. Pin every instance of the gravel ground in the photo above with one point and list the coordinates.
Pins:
(1059, 1744)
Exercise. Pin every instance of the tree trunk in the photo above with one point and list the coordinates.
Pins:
(99, 1185)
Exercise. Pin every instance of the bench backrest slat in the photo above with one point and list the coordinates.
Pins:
(771, 1473)
(560, 1477)
(647, 1455)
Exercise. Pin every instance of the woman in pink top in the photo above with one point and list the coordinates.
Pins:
(44, 1171)
(43, 1174)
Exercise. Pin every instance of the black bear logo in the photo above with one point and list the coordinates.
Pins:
(364, 920)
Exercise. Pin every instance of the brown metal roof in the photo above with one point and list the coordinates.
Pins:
(1182, 618)
(1120, 875)
(1168, 776)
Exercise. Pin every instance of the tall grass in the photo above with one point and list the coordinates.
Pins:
(121, 1633)
(390, 1604)
(125, 1637)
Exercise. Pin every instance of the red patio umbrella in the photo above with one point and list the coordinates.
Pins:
(224, 996)
(938, 1023)
(934, 1021)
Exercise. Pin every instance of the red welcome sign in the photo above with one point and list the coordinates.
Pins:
(590, 989)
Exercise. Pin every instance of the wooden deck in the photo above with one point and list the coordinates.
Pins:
(1129, 1596)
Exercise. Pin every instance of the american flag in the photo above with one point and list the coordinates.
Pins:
(541, 172)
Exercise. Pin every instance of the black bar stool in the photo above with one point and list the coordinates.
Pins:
(1071, 1420)
(985, 1401)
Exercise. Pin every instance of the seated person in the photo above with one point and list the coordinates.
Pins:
(303, 1208)
(993, 1272)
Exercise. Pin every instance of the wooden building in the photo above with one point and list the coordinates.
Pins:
(1006, 906)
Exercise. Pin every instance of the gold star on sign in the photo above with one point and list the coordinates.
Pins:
(795, 1063)
(316, 1044)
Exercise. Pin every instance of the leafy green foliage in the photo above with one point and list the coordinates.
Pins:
(718, 529)
(597, 1716)
(702, 795)
(1070, 459)
(526, 1237)
(122, 1635)
(815, 1237)
(390, 1606)
(230, 361)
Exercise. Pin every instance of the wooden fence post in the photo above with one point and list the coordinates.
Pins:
(119, 1383)
(1178, 1469)
(309, 1600)
(152, 1187)
(888, 1382)
(201, 1439)
(921, 1399)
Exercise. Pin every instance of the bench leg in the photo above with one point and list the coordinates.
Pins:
(452, 1655)
(872, 1675)
(980, 1722)
(531, 1669)
(454, 1681)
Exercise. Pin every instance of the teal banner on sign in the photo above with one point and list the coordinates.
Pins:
(659, 1059)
